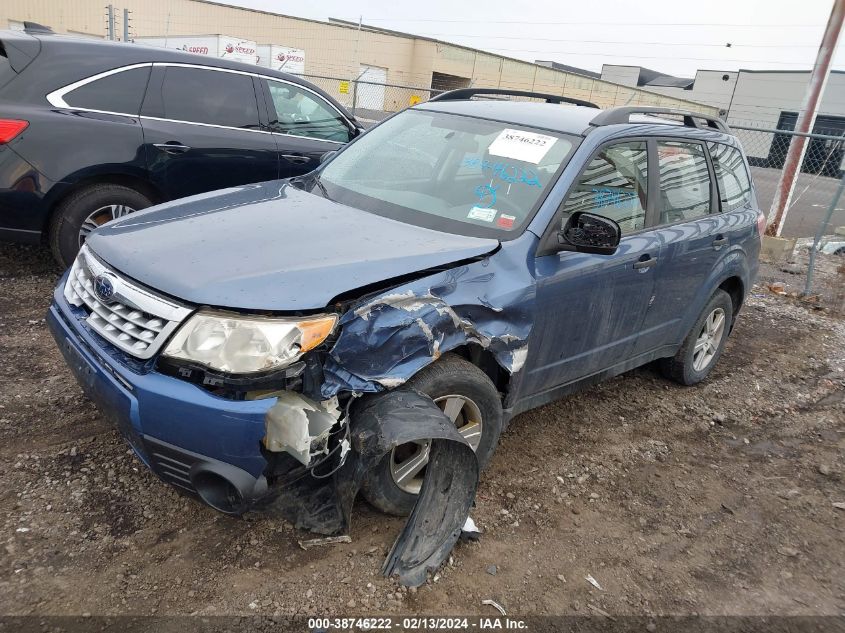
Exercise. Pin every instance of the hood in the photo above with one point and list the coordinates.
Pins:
(270, 246)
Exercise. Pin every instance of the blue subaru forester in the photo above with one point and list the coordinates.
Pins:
(491, 254)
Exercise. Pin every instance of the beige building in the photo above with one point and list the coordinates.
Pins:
(336, 51)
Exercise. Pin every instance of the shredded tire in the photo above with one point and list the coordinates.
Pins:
(450, 375)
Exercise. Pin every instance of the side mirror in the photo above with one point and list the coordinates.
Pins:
(589, 233)
(327, 156)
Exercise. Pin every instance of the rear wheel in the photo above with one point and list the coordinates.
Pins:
(85, 210)
(703, 346)
(467, 397)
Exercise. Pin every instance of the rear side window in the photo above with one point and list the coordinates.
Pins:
(684, 181)
(731, 176)
(208, 96)
(121, 92)
(614, 185)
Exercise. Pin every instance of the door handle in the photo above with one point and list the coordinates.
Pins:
(296, 159)
(171, 147)
(646, 261)
(719, 242)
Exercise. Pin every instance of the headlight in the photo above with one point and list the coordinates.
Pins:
(238, 344)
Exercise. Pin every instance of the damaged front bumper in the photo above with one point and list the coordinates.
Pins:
(202, 444)
(378, 424)
(231, 442)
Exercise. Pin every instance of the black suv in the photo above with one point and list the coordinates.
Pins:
(92, 130)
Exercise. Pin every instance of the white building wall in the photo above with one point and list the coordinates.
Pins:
(761, 97)
(711, 88)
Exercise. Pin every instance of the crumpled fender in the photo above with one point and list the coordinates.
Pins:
(378, 424)
(386, 339)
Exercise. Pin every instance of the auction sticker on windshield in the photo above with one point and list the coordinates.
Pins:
(528, 147)
(478, 213)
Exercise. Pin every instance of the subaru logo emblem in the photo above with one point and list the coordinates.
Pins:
(103, 288)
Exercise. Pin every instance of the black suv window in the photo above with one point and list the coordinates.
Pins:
(731, 176)
(614, 185)
(209, 96)
(121, 92)
(684, 181)
(303, 113)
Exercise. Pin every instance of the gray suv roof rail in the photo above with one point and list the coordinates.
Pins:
(462, 94)
(622, 114)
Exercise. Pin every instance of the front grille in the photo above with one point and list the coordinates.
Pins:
(132, 318)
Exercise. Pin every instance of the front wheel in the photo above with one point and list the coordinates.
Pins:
(703, 346)
(467, 397)
(85, 210)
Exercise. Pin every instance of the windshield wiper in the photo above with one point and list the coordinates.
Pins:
(322, 188)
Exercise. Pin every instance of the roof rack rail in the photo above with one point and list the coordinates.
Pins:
(622, 114)
(467, 93)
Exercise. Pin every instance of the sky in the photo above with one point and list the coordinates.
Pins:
(675, 37)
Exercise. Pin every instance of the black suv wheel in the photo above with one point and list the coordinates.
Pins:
(470, 399)
(85, 210)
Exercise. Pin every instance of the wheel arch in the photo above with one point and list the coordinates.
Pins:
(735, 288)
(132, 181)
(486, 362)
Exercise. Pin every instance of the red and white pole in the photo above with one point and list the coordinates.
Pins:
(806, 119)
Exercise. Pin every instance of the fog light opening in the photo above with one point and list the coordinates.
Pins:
(218, 492)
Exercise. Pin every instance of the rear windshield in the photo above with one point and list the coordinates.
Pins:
(448, 172)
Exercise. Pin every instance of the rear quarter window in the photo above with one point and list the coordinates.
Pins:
(121, 92)
(731, 176)
(6, 72)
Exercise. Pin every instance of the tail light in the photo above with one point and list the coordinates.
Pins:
(10, 128)
(761, 223)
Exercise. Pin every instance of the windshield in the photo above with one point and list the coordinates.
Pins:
(448, 172)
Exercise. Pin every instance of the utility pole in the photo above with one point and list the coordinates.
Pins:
(126, 13)
(110, 9)
(806, 119)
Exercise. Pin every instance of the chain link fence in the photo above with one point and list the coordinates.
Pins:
(815, 185)
(371, 101)
(816, 214)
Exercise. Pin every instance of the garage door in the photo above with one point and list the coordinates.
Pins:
(368, 95)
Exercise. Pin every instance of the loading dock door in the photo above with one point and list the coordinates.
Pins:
(442, 81)
(368, 95)
(823, 156)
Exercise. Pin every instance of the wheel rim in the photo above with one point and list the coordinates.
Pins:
(99, 217)
(707, 343)
(408, 461)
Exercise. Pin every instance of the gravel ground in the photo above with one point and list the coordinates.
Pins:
(716, 499)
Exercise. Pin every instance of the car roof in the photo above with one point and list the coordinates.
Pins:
(124, 53)
(562, 118)
(568, 119)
